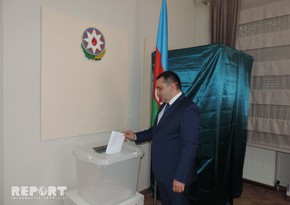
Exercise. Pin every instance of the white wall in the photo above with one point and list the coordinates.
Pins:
(1, 110)
(27, 159)
(188, 22)
(201, 23)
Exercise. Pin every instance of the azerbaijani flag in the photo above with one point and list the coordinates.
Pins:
(161, 58)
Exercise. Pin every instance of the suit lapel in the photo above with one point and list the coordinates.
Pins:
(170, 110)
(156, 118)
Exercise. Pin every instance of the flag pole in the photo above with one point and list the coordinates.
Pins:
(160, 65)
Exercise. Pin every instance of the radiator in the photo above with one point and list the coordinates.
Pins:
(260, 165)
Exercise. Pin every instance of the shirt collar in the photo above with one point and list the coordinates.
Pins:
(174, 98)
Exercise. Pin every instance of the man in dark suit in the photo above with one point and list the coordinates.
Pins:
(174, 138)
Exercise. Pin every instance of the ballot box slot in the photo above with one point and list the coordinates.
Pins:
(100, 149)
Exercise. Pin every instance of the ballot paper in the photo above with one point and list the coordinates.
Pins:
(115, 142)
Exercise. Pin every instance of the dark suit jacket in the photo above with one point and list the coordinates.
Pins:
(174, 142)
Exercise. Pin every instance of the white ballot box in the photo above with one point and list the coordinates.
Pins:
(107, 179)
(72, 198)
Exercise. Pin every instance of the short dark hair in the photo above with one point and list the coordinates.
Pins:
(170, 77)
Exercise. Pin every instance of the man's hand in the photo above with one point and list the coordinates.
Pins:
(130, 135)
(178, 186)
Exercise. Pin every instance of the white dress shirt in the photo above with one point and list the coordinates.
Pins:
(170, 103)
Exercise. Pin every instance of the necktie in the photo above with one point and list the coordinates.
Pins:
(165, 109)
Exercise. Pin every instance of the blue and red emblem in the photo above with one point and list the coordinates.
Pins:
(93, 44)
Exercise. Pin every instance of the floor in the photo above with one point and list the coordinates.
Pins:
(251, 195)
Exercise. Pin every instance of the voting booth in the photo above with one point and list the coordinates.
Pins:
(217, 79)
(107, 179)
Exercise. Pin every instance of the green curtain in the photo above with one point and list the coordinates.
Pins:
(217, 78)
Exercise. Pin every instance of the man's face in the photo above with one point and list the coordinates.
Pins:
(163, 90)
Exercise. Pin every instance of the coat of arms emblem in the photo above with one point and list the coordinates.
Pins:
(93, 44)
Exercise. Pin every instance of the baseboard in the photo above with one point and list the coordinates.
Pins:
(144, 192)
(281, 188)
